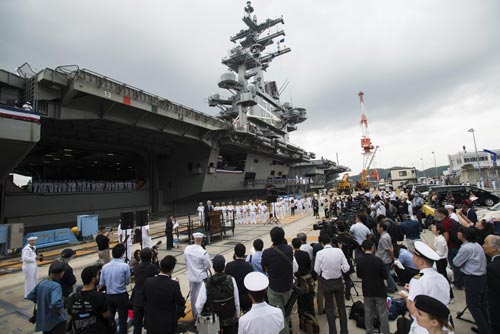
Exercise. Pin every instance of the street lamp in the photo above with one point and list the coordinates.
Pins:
(435, 167)
(471, 130)
(423, 170)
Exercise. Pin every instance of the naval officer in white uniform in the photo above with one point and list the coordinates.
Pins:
(427, 282)
(197, 262)
(262, 318)
(30, 267)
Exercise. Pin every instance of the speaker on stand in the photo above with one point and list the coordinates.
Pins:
(127, 223)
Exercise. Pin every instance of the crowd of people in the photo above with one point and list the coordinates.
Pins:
(382, 245)
(255, 211)
(78, 186)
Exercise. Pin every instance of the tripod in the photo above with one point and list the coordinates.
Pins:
(272, 216)
(272, 220)
(461, 313)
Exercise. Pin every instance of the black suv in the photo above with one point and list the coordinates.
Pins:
(461, 193)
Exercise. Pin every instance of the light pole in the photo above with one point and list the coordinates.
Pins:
(435, 167)
(471, 130)
(423, 170)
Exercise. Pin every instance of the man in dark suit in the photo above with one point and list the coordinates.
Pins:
(372, 272)
(207, 208)
(163, 300)
(144, 270)
(491, 247)
(239, 268)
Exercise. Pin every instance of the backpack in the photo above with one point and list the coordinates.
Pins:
(357, 308)
(392, 312)
(83, 314)
(220, 298)
(396, 307)
(309, 324)
(403, 325)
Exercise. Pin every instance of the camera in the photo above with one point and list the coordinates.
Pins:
(329, 226)
(40, 257)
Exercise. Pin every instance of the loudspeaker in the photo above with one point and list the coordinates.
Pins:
(272, 199)
(141, 218)
(127, 220)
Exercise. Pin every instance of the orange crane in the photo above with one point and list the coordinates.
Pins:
(368, 151)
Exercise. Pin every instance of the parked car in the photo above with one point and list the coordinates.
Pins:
(420, 188)
(489, 214)
(461, 193)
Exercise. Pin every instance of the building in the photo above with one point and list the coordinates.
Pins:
(403, 175)
(464, 166)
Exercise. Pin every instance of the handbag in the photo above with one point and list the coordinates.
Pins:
(207, 323)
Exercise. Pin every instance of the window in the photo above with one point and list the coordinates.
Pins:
(256, 161)
(272, 173)
(403, 173)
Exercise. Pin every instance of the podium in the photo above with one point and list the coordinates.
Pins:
(213, 225)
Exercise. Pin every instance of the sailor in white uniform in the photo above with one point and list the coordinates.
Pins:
(244, 213)
(237, 208)
(253, 321)
(252, 208)
(427, 282)
(126, 236)
(147, 242)
(223, 208)
(197, 262)
(230, 212)
(262, 211)
(30, 268)
(201, 213)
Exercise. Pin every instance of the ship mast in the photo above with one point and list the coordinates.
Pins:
(254, 105)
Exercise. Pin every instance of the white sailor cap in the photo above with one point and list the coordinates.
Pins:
(256, 281)
(32, 238)
(449, 206)
(198, 235)
(421, 249)
(201, 203)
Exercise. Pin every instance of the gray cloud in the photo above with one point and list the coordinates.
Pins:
(412, 59)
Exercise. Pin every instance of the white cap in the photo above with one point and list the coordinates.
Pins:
(32, 238)
(256, 281)
(449, 206)
(421, 249)
(198, 235)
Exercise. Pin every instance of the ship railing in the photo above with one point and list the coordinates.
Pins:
(135, 93)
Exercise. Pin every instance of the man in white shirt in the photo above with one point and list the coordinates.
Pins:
(261, 318)
(197, 262)
(220, 281)
(359, 232)
(330, 263)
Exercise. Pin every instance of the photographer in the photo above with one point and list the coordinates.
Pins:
(102, 241)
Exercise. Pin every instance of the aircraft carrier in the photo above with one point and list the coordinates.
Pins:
(94, 145)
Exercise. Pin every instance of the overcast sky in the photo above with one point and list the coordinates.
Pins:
(430, 69)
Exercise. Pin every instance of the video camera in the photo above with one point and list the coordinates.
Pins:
(329, 226)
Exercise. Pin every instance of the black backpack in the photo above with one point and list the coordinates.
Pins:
(220, 298)
(83, 314)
